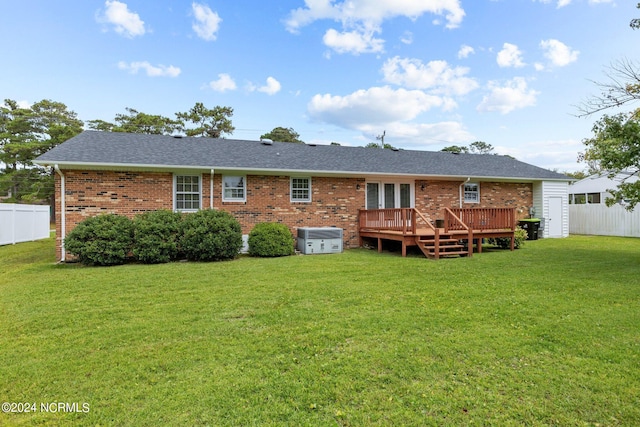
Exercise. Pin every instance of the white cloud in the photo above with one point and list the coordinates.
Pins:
(438, 76)
(360, 19)
(420, 135)
(152, 71)
(207, 22)
(562, 3)
(407, 37)
(465, 51)
(125, 22)
(272, 87)
(353, 42)
(223, 84)
(374, 11)
(510, 56)
(395, 110)
(550, 154)
(558, 53)
(377, 105)
(513, 95)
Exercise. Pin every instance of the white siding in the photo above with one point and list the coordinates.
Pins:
(542, 192)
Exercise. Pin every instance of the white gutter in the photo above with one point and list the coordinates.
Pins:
(63, 214)
(211, 189)
(460, 190)
(280, 171)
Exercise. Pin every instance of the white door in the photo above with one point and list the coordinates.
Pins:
(555, 217)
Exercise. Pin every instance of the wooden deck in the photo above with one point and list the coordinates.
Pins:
(460, 231)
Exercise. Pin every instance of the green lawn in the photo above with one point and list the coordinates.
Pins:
(546, 335)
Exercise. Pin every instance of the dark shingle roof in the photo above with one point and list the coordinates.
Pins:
(93, 149)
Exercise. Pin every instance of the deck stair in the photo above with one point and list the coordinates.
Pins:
(448, 245)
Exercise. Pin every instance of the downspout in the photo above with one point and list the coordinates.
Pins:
(460, 190)
(63, 214)
(211, 189)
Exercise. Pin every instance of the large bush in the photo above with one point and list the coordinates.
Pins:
(505, 242)
(101, 240)
(210, 235)
(270, 239)
(156, 235)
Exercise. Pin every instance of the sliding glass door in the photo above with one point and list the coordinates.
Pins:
(389, 195)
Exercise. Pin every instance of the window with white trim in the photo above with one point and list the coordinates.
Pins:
(187, 192)
(471, 193)
(300, 189)
(234, 188)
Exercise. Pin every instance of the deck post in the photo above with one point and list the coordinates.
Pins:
(436, 244)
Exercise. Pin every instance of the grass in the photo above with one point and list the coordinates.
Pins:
(546, 335)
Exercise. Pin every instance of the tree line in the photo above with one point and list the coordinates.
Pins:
(28, 132)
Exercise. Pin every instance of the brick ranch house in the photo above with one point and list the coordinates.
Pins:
(300, 185)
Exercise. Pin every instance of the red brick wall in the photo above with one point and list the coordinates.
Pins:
(335, 201)
(90, 193)
(438, 195)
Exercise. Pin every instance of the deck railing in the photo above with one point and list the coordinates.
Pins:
(452, 222)
(408, 220)
(401, 219)
(486, 218)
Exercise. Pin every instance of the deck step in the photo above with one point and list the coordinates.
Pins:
(449, 245)
(442, 241)
(448, 254)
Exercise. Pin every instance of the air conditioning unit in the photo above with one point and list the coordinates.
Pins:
(319, 240)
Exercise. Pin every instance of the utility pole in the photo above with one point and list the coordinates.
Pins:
(381, 138)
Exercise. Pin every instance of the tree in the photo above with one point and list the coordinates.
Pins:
(623, 88)
(576, 175)
(136, 122)
(615, 147)
(26, 133)
(101, 125)
(478, 147)
(386, 146)
(282, 134)
(456, 149)
(212, 123)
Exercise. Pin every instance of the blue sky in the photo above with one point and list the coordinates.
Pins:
(430, 73)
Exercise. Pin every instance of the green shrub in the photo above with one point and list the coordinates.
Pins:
(505, 243)
(155, 236)
(101, 240)
(210, 235)
(270, 239)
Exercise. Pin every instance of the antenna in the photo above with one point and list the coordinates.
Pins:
(381, 138)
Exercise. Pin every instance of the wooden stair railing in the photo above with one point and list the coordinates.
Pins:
(453, 222)
(448, 243)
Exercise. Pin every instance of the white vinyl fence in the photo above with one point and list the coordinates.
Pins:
(598, 219)
(23, 223)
